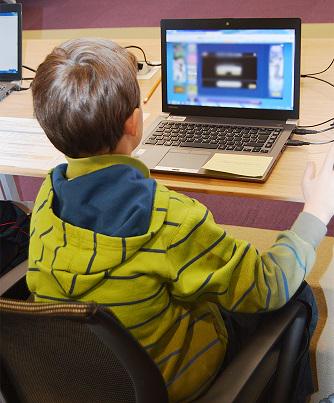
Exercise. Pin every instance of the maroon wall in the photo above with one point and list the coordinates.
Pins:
(46, 14)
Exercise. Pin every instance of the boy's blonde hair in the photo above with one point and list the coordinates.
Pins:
(83, 93)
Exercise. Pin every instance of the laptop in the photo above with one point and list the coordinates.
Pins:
(229, 87)
(10, 48)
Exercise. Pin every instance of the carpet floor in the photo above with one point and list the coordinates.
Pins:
(228, 210)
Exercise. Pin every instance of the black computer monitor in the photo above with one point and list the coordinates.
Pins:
(10, 42)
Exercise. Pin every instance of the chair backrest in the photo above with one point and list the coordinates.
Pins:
(72, 353)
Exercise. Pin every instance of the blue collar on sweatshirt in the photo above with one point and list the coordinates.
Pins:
(107, 194)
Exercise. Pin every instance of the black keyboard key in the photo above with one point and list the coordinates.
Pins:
(196, 135)
(251, 144)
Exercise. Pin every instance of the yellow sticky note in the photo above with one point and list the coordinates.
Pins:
(238, 164)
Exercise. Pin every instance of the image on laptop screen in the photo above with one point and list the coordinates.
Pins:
(9, 45)
(248, 68)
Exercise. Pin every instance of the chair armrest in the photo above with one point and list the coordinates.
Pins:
(13, 276)
(249, 372)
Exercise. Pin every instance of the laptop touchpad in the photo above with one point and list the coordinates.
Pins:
(186, 162)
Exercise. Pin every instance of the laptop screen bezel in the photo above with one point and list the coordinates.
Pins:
(14, 8)
(226, 24)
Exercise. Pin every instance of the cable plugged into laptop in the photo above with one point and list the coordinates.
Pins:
(297, 143)
(304, 131)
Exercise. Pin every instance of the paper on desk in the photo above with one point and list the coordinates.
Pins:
(25, 146)
(237, 164)
(19, 125)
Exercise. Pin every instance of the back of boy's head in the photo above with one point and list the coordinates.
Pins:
(83, 93)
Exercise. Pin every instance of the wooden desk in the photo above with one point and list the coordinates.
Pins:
(317, 104)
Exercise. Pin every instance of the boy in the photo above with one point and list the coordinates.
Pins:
(102, 230)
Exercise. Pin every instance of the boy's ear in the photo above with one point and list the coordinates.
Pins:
(131, 124)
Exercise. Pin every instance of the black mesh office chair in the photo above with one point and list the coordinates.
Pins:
(73, 353)
(69, 353)
(265, 369)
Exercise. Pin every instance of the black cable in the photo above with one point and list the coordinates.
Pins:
(28, 68)
(302, 132)
(319, 124)
(145, 60)
(298, 143)
(26, 78)
(310, 75)
(316, 78)
(22, 89)
(320, 142)
(320, 72)
(18, 88)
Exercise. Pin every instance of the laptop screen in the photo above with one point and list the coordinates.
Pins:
(10, 42)
(249, 65)
(231, 68)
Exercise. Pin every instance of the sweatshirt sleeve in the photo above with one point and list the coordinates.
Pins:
(209, 265)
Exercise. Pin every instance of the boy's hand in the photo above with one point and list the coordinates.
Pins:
(318, 188)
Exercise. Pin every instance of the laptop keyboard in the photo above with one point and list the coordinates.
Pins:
(215, 136)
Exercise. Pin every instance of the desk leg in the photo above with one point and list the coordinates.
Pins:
(9, 188)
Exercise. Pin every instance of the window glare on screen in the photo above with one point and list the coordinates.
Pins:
(249, 68)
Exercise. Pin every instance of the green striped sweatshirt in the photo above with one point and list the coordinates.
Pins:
(166, 285)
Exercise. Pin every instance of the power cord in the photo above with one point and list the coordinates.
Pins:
(316, 78)
(18, 88)
(301, 129)
(311, 75)
(145, 59)
(28, 68)
(298, 143)
(319, 72)
(22, 88)
(319, 124)
(303, 132)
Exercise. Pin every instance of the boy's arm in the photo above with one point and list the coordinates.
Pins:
(207, 264)
(210, 265)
